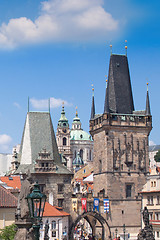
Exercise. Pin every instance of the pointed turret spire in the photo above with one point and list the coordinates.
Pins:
(63, 121)
(106, 107)
(93, 105)
(148, 111)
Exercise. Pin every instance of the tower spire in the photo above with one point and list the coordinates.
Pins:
(93, 105)
(148, 110)
(106, 105)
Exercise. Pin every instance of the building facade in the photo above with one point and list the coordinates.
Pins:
(73, 142)
(121, 160)
(39, 155)
(151, 199)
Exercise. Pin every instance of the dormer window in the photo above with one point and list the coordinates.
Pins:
(81, 136)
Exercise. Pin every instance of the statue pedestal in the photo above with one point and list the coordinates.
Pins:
(25, 230)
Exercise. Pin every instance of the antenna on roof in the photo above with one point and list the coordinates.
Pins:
(49, 105)
(28, 104)
(126, 46)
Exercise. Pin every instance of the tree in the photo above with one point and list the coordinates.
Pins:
(157, 156)
(8, 232)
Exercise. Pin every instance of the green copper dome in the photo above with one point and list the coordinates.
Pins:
(77, 132)
(79, 135)
(63, 121)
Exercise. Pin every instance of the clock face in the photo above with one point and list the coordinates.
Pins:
(64, 130)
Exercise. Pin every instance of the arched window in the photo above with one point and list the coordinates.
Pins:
(81, 153)
(90, 155)
(53, 224)
(64, 141)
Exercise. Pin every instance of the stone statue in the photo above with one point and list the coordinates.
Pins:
(145, 216)
(26, 188)
(147, 232)
(46, 228)
(23, 221)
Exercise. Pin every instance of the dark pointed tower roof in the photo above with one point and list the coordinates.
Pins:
(148, 110)
(93, 105)
(119, 93)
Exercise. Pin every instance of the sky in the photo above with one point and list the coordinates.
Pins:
(58, 48)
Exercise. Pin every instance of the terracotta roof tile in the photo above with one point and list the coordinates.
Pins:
(7, 199)
(12, 181)
(51, 211)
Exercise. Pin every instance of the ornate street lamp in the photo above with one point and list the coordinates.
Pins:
(124, 230)
(36, 202)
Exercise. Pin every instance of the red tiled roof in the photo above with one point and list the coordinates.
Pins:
(13, 181)
(7, 199)
(51, 211)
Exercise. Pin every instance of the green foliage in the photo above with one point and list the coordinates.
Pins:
(157, 156)
(8, 232)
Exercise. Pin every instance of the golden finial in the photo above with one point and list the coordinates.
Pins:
(106, 80)
(92, 90)
(126, 46)
(111, 48)
(147, 86)
(76, 111)
(63, 104)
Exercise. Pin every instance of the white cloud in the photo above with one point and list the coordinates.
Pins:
(151, 143)
(17, 105)
(5, 140)
(60, 20)
(43, 103)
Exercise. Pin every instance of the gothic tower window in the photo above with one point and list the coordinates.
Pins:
(128, 190)
(64, 141)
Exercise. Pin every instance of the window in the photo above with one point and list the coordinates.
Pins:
(150, 216)
(81, 153)
(64, 141)
(157, 216)
(158, 200)
(100, 166)
(53, 233)
(53, 224)
(60, 202)
(150, 200)
(128, 190)
(134, 166)
(154, 183)
(60, 188)
(121, 166)
(157, 234)
(90, 156)
(151, 184)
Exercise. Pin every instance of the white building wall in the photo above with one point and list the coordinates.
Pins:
(62, 225)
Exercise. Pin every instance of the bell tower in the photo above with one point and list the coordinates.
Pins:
(121, 160)
(63, 140)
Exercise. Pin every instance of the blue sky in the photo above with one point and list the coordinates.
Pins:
(57, 48)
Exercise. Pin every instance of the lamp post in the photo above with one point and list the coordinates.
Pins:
(116, 231)
(124, 230)
(36, 202)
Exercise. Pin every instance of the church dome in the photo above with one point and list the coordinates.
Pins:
(77, 132)
(79, 135)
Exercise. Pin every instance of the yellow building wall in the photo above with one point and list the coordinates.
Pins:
(7, 217)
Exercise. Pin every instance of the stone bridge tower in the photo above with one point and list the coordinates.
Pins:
(121, 160)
